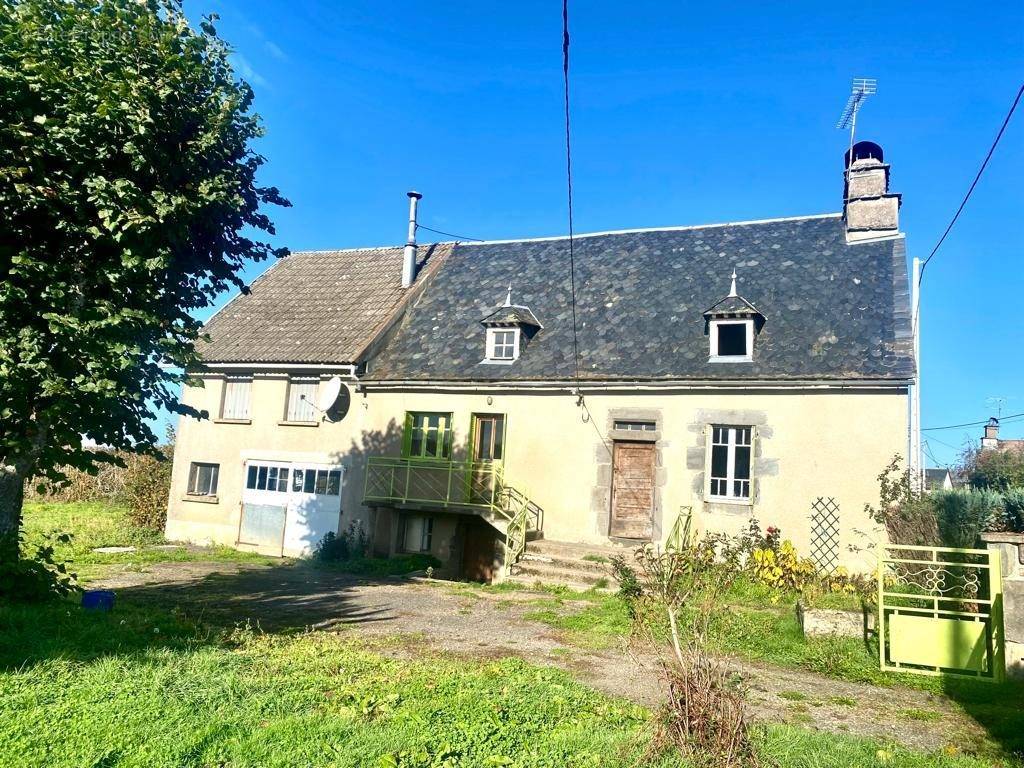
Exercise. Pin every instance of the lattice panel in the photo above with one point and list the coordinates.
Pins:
(825, 533)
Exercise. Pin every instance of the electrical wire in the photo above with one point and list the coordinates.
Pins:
(449, 234)
(973, 423)
(974, 183)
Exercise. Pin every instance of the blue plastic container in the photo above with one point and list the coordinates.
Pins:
(97, 600)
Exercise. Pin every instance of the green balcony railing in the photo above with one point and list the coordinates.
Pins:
(438, 482)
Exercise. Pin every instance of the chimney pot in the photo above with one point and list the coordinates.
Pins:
(409, 256)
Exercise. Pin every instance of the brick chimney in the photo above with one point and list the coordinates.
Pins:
(870, 211)
(991, 438)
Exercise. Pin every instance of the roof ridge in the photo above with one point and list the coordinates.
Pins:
(638, 230)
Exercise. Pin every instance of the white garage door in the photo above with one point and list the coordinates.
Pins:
(288, 507)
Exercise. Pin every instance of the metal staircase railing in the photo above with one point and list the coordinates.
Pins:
(476, 485)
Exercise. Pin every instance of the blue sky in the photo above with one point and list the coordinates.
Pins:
(683, 113)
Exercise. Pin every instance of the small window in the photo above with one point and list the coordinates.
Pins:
(635, 426)
(202, 479)
(730, 462)
(419, 531)
(235, 404)
(732, 341)
(502, 344)
(301, 400)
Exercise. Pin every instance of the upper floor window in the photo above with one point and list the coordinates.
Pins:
(202, 479)
(732, 341)
(730, 452)
(301, 399)
(502, 344)
(428, 435)
(636, 426)
(237, 395)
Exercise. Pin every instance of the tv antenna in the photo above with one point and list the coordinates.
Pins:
(862, 88)
(997, 403)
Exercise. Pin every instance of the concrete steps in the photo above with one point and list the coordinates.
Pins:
(576, 566)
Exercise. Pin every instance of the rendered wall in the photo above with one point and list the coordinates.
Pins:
(810, 443)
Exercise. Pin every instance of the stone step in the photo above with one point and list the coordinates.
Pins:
(530, 582)
(552, 574)
(575, 551)
(568, 563)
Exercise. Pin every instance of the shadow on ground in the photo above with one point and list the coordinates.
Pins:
(285, 598)
(188, 614)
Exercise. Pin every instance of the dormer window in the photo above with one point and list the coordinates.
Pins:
(509, 329)
(732, 341)
(502, 344)
(733, 322)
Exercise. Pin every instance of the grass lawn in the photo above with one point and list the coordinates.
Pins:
(753, 627)
(141, 688)
(144, 686)
(99, 524)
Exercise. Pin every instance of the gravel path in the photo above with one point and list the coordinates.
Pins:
(435, 617)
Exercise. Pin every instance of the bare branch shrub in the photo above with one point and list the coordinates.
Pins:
(672, 596)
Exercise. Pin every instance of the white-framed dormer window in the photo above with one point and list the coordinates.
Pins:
(729, 463)
(502, 345)
(732, 341)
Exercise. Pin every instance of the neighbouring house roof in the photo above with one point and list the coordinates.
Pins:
(835, 311)
(315, 307)
(935, 478)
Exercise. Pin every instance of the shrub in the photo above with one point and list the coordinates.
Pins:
(907, 514)
(1013, 510)
(963, 513)
(350, 544)
(783, 568)
(147, 483)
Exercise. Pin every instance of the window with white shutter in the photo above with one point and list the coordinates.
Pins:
(301, 400)
(237, 394)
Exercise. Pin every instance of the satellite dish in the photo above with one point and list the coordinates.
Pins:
(329, 394)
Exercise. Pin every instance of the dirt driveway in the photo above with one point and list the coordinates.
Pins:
(433, 617)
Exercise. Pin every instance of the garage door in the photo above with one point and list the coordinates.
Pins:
(288, 507)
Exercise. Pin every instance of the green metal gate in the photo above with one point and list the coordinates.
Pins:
(940, 611)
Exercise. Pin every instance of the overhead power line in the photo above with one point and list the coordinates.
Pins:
(974, 423)
(974, 183)
(449, 234)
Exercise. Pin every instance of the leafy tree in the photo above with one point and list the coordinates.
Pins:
(127, 182)
(996, 469)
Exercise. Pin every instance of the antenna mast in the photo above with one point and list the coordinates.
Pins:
(862, 88)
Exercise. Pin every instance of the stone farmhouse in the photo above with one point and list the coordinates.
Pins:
(453, 399)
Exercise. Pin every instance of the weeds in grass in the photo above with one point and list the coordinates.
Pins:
(592, 558)
(923, 715)
(793, 695)
(842, 701)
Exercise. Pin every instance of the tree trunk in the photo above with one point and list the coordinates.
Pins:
(12, 493)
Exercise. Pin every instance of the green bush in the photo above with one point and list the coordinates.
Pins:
(1012, 517)
(963, 513)
(147, 483)
(997, 470)
(350, 544)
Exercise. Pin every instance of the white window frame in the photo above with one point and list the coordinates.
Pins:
(426, 534)
(192, 488)
(713, 335)
(225, 400)
(492, 334)
(731, 435)
(289, 415)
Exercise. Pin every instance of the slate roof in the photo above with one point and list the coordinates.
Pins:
(314, 307)
(834, 311)
(934, 477)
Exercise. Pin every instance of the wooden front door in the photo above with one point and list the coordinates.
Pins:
(632, 490)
